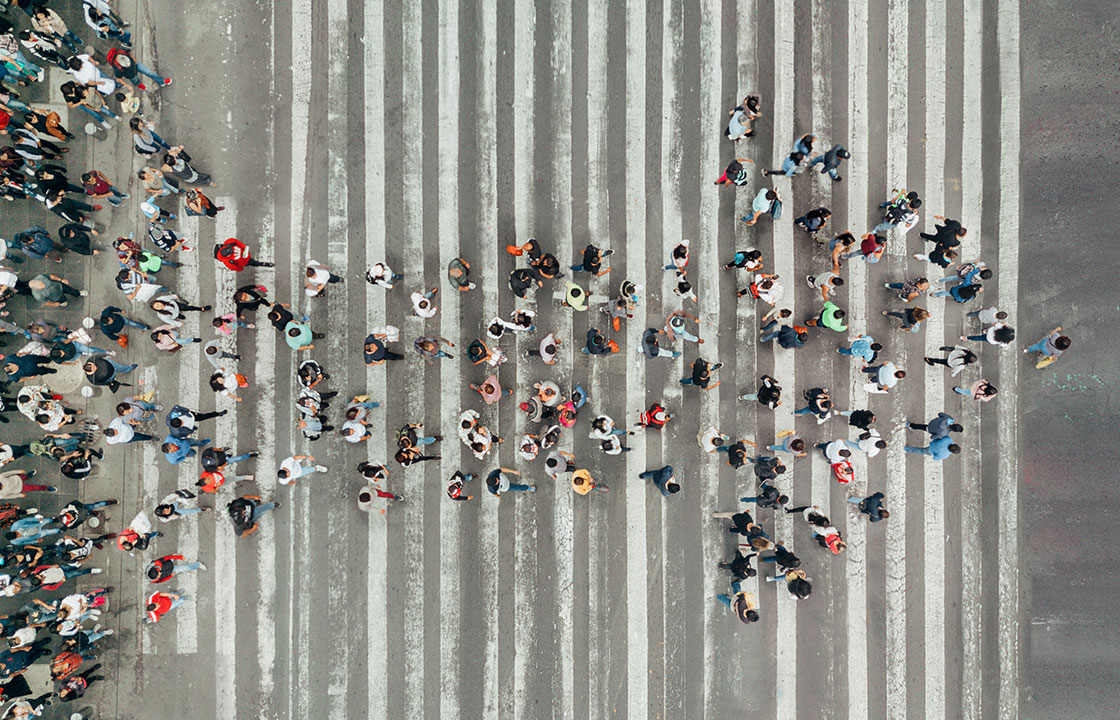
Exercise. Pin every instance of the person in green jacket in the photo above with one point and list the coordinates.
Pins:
(831, 317)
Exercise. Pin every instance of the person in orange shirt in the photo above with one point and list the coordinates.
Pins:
(583, 483)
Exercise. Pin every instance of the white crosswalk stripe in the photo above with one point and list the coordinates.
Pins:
(552, 604)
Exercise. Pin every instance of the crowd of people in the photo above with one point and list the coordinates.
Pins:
(963, 283)
(46, 552)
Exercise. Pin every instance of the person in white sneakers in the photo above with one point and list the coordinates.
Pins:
(294, 467)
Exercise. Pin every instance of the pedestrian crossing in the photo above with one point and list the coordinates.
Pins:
(419, 132)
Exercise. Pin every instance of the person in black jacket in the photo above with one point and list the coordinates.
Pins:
(740, 565)
(871, 506)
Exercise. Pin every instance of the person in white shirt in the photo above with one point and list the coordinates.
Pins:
(711, 439)
(294, 467)
(957, 359)
(835, 451)
(381, 274)
(121, 432)
(355, 431)
(422, 304)
(559, 462)
(316, 278)
(869, 443)
(84, 70)
(884, 376)
(547, 349)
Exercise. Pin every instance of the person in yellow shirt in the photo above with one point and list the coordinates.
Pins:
(583, 483)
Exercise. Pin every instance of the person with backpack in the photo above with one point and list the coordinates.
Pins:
(127, 67)
(245, 511)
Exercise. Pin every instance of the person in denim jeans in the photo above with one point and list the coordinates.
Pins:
(743, 603)
(663, 479)
(1051, 346)
(176, 450)
(862, 346)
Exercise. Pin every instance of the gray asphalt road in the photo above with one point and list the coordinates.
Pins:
(1069, 572)
(416, 132)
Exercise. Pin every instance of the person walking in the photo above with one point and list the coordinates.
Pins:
(911, 318)
(294, 467)
(742, 117)
(814, 220)
(235, 255)
(498, 482)
(177, 449)
(825, 283)
(957, 360)
(909, 290)
(245, 511)
(819, 404)
(735, 173)
(766, 200)
(163, 569)
(981, 390)
(769, 393)
(939, 426)
(830, 161)
(871, 506)
(830, 317)
(663, 479)
(428, 347)
(938, 449)
(793, 164)
(458, 272)
(791, 443)
(592, 261)
(172, 507)
(651, 348)
(789, 337)
(51, 290)
(161, 603)
(1050, 348)
(104, 371)
(862, 346)
(741, 602)
(740, 565)
(797, 582)
(883, 377)
(702, 374)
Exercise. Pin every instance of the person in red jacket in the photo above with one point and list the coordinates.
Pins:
(164, 568)
(161, 603)
(235, 255)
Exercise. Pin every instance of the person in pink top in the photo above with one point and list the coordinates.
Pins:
(490, 390)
